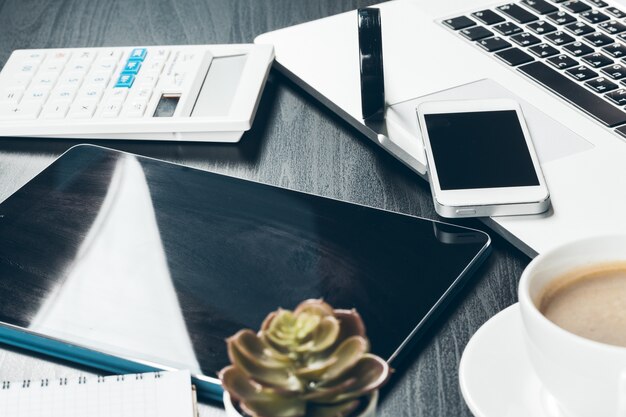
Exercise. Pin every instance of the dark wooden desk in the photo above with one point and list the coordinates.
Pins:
(295, 143)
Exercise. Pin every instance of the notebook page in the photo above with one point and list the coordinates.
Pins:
(155, 394)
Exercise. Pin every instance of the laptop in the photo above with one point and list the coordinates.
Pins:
(562, 61)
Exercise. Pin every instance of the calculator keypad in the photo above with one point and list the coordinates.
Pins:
(88, 83)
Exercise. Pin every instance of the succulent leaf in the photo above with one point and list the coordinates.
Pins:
(334, 410)
(281, 378)
(310, 362)
(329, 367)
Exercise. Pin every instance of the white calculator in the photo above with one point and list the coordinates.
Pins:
(206, 93)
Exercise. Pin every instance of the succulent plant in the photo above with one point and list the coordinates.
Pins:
(310, 362)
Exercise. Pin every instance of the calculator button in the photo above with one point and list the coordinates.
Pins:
(125, 81)
(99, 78)
(21, 80)
(138, 54)
(45, 79)
(112, 108)
(60, 57)
(105, 65)
(63, 93)
(36, 94)
(22, 111)
(161, 54)
(117, 94)
(37, 57)
(82, 109)
(154, 66)
(28, 68)
(134, 108)
(78, 66)
(110, 54)
(11, 95)
(55, 110)
(85, 56)
(141, 93)
(147, 79)
(52, 67)
(90, 92)
(73, 79)
(131, 67)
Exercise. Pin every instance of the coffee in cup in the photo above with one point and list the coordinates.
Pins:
(589, 302)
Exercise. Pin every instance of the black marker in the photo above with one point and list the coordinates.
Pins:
(371, 63)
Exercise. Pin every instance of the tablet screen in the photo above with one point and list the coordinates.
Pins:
(159, 263)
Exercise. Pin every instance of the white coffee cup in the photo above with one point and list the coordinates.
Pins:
(585, 377)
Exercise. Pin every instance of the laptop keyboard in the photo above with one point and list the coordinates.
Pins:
(576, 49)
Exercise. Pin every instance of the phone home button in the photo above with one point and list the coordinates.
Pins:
(465, 212)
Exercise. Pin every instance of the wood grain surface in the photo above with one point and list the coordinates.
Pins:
(295, 142)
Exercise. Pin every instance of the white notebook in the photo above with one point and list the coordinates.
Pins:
(157, 394)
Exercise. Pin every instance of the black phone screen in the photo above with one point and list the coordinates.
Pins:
(483, 149)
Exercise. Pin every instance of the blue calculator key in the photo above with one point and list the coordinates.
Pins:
(138, 54)
(125, 81)
(132, 67)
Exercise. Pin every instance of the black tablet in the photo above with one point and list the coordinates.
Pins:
(130, 264)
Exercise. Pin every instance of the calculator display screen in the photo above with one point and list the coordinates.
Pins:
(160, 263)
(480, 150)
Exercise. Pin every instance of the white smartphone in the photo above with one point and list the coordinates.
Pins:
(481, 159)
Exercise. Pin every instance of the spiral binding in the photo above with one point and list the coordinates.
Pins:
(82, 380)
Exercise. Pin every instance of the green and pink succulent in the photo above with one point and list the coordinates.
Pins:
(310, 362)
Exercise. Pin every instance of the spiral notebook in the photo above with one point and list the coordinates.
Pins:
(156, 394)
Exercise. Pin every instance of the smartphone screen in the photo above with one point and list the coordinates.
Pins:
(485, 149)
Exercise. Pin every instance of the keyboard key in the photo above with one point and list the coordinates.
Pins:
(581, 73)
(488, 17)
(559, 38)
(77, 65)
(598, 39)
(562, 62)
(615, 72)
(576, 94)
(543, 50)
(140, 94)
(616, 50)
(117, 94)
(514, 56)
(597, 60)
(540, 6)
(55, 110)
(615, 12)
(618, 97)
(139, 54)
(578, 49)
(52, 67)
(575, 6)
(594, 16)
(105, 65)
(82, 109)
(99, 78)
(493, 44)
(109, 54)
(598, 3)
(541, 28)
(516, 13)
(474, 33)
(525, 39)
(84, 56)
(507, 28)
(612, 27)
(125, 81)
(147, 79)
(22, 111)
(579, 28)
(561, 18)
(601, 85)
(460, 22)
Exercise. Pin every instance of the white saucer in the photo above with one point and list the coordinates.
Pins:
(496, 376)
